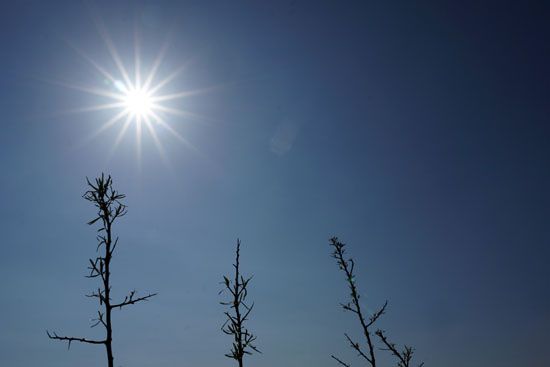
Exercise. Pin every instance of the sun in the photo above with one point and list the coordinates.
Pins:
(138, 102)
(136, 97)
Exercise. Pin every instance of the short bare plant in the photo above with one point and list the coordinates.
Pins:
(368, 351)
(109, 209)
(237, 315)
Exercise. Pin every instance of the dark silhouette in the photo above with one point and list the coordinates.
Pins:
(234, 325)
(109, 208)
(347, 266)
(404, 357)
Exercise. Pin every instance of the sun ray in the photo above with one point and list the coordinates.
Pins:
(98, 67)
(168, 97)
(137, 61)
(138, 140)
(109, 123)
(181, 113)
(174, 133)
(158, 145)
(167, 80)
(156, 65)
(112, 51)
(119, 137)
(91, 90)
(101, 107)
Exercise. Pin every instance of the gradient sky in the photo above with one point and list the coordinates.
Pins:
(416, 131)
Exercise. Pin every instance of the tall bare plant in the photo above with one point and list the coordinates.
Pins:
(368, 353)
(237, 315)
(109, 209)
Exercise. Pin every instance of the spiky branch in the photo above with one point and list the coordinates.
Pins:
(243, 339)
(367, 353)
(404, 357)
(109, 209)
(347, 266)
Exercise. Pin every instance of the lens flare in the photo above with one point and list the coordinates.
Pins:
(137, 98)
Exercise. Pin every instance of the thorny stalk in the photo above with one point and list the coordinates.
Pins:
(109, 209)
(243, 339)
(353, 305)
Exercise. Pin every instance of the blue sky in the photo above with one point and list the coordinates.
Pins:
(415, 131)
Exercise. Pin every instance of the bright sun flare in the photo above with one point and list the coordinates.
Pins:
(138, 100)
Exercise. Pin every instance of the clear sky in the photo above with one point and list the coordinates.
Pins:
(416, 131)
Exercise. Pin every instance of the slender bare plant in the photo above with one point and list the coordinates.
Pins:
(368, 352)
(404, 357)
(109, 209)
(237, 315)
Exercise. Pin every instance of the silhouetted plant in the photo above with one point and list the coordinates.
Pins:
(404, 357)
(238, 314)
(109, 208)
(347, 266)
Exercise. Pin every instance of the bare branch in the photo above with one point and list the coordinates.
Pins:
(129, 300)
(404, 357)
(99, 320)
(377, 314)
(356, 346)
(71, 339)
(339, 361)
